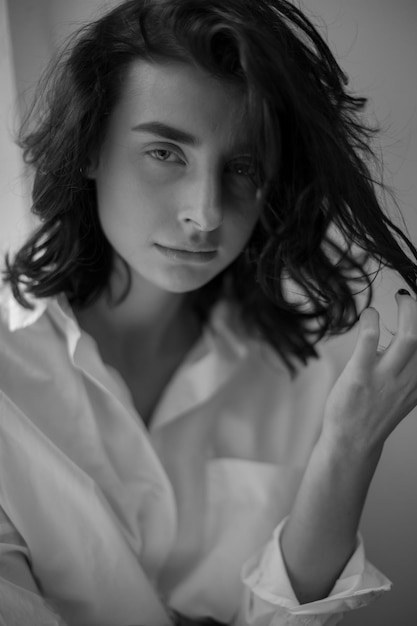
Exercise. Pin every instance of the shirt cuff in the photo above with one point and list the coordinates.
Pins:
(270, 590)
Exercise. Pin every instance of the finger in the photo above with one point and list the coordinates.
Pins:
(365, 351)
(403, 346)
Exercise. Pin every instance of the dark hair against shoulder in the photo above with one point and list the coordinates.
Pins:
(312, 148)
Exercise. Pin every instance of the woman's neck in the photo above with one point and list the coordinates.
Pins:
(147, 325)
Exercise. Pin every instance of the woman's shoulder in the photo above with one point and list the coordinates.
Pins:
(29, 335)
(227, 328)
(35, 363)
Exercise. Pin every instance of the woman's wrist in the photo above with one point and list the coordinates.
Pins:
(341, 445)
(320, 534)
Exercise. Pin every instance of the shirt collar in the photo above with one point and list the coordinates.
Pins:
(222, 322)
(16, 316)
(211, 362)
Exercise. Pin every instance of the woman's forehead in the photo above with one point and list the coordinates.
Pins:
(185, 97)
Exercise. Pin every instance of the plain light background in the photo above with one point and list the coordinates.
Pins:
(375, 42)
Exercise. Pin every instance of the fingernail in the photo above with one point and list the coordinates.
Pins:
(403, 292)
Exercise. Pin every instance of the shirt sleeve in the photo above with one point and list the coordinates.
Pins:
(269, 599)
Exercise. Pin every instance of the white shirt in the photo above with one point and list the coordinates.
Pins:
(121, 525)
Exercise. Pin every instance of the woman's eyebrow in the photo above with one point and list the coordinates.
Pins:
(168, 132)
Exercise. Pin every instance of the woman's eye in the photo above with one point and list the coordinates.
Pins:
(244, 169)
(164, 155)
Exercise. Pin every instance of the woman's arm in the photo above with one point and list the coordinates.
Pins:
(374, 393)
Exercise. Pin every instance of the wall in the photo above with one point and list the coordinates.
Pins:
(12, 198)
(376, 44)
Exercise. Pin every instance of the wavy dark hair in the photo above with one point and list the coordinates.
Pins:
(313, 149)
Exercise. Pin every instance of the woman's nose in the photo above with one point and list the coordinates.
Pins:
(202, 203)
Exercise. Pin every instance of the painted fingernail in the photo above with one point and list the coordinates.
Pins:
(403, 292)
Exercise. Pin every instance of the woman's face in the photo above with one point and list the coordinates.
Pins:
(174, 176)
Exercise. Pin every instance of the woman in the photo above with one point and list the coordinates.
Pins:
(172, 448)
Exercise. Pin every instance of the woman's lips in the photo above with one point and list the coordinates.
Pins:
(193, 256)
